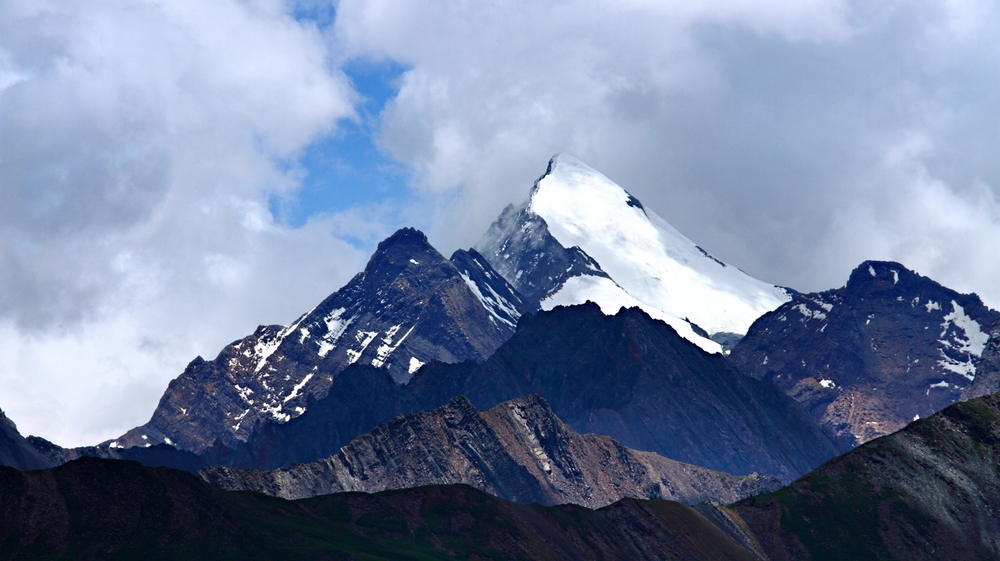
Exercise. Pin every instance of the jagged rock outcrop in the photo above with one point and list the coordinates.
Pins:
(930, 491)
(988, 369)
(16, 451)
(518, 450)
(626, 376)
(409, 306)
(889, 347)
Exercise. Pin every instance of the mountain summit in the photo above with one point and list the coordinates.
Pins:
(579, 236)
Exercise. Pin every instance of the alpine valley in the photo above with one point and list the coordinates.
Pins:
(585, 382)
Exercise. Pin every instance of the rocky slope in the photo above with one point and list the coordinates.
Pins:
(105, 509)
(929, 491)
(409, 306)
(889, 347)
(626, 376)
(579, 237)
(519, 451)
(988, 369)
(16, 451)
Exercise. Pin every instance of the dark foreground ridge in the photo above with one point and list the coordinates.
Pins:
(107, 509)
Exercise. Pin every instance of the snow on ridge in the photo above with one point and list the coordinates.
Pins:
(612, 298)
(649, 259)
(972, 345)
(492, 303)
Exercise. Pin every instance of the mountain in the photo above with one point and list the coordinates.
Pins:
(16, 451)
(94, 509)
(626, 376)
(889, 347)
(518, 450)
(930, 491)
(579, 237)
(987, 379)
(409, 306)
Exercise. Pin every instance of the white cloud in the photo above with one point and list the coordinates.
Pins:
(141, 142)
(757, 128)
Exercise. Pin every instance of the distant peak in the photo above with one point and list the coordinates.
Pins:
(879, 271)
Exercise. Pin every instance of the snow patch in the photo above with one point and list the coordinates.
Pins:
(941, 384)
(364, 338)
(387, 347)
(297, 388)
(493, 303)
(809, 314)
(871, 270)
(336, 325)
(827, 384)
(611, 298)
(895, 276)
(415, 364)
(931, 306)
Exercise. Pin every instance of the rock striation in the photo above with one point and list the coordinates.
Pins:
(408, 307)
(889, 347)
(930, 491)
(626, 376)
(518, 450)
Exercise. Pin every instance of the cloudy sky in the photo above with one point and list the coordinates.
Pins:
(175, 172)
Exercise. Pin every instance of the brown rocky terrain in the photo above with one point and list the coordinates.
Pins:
(865, 360)
(518, 450)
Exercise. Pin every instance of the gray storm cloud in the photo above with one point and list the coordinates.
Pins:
(792, 139)
(141, 143)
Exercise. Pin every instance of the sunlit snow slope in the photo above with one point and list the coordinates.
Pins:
(647, 260)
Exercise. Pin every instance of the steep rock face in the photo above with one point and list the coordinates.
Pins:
(519, 450)
(16, 451)
(626, 376)
(409, 306)
(889, 347)
(105, 509)
(581, 237)
(988, 369)
(929, 491)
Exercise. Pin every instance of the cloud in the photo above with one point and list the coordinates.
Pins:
(765, 131)
(141, 143)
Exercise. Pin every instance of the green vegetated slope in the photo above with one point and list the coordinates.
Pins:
(108, 509)
(930, 491)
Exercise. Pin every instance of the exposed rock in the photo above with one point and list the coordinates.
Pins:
(888, 348)
(409, 306)
(519, 450)
(15, 451)
(626, 376)
(988, 370)
(930, 491)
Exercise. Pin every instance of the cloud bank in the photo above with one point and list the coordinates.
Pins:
(794, 140)
(143, 142)
(140, 143)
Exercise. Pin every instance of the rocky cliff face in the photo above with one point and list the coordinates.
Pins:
(626, 376)
(888, 348)
(929, 491)
(988, 369)
(16, 451)
(409, 306)
(519, 450)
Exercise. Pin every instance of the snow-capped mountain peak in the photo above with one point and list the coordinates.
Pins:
(637, 257)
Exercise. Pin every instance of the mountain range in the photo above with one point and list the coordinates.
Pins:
(585, 353)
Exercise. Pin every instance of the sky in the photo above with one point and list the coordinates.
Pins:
(175, 172)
